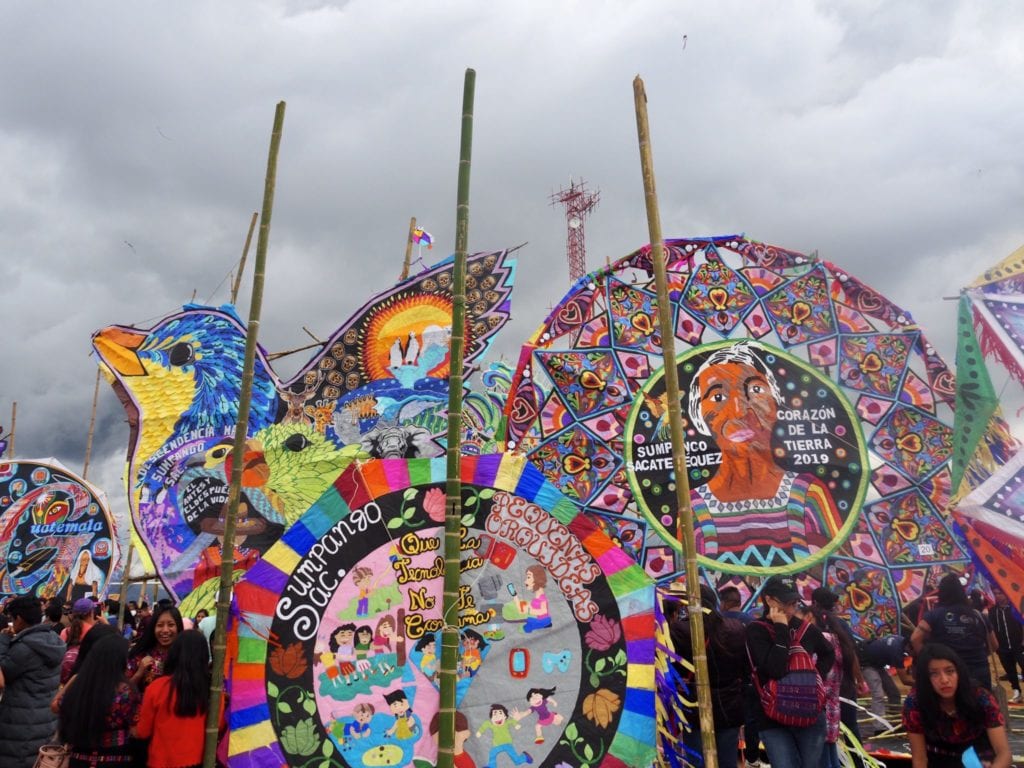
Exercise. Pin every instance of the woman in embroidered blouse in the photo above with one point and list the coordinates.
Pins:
(97, 709)
(146, 660)
(946, 713)
(753, 511)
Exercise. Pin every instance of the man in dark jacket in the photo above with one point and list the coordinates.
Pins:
(1010, 637)
(30, 656)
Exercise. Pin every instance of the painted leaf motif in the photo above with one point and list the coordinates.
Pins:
(601, 706)
(301, 738)
(288, 661)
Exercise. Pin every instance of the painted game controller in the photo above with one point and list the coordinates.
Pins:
(550, 660)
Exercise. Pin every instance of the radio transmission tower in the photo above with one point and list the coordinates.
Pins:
(578, 202)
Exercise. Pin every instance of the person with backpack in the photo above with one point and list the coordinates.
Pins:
(790, 659)
(955, 623)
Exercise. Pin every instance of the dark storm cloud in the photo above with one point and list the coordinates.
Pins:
(133, 146)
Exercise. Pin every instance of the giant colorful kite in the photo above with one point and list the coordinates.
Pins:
(818, 422)
(991, 512)
(379, 387)
(338, 633)
(57, 537)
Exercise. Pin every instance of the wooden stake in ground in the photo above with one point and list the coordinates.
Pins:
(453, 505)
(241, 433)
(408, 249)
(675, 420)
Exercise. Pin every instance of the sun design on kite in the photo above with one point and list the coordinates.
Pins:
(410, 330)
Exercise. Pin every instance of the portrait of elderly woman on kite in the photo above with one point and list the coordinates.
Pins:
(753, 511)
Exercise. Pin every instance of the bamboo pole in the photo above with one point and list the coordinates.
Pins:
(408, 249)
(241, 433)
(453, 514)
(685, 512)
(124, 585)
(245, 254)
(92, 427)
(14, 424)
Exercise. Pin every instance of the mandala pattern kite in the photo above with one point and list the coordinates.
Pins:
(817, 419)
(57, 538)
(379, 387)
(338, 632)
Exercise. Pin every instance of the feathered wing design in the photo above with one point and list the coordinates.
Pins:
(380, 381)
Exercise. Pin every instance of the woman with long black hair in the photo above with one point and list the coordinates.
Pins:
(947, 714)
(97, 708)
(173, 713)
(851, 679)
(146, 660)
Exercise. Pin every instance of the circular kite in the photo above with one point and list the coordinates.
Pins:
(817, 423)
(57, 537)
(337, 643)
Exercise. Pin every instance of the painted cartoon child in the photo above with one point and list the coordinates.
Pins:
(538, 617)
(540, 702)
(342, 644)
(362, 578)
(364, 649)
(405, 723)
(382, 641)
(462, 734)
(427, 645)
(472, 645)
(501, 737)
(359, 727)
(328, 660)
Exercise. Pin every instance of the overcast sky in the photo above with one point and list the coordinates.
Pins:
(886, 136)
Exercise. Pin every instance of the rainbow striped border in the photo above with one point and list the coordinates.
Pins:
(253, 741)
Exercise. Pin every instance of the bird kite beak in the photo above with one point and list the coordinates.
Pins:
(116, 346)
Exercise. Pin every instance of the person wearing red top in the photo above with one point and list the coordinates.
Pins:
(947, 714)
(173, 714)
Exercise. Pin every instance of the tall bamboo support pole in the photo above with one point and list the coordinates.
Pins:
(125, 575)
(668, 346)
(241, 433)
(453, 506)
(14, 424)
(408, 249)
(92, 427)
(245, 255)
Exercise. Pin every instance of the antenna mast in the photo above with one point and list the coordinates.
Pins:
(578, 202)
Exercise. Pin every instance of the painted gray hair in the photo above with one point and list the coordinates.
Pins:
(744, 352)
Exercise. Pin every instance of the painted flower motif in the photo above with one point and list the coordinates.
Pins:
(601, 706)
(603, 633)
(301, 738)
(433, 504)
(288, 661)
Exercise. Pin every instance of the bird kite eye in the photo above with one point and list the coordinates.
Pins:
(296, 443)
(221, 452)
(182, 353)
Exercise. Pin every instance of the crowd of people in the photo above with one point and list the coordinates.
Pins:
(950, 713)
(134, 693)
